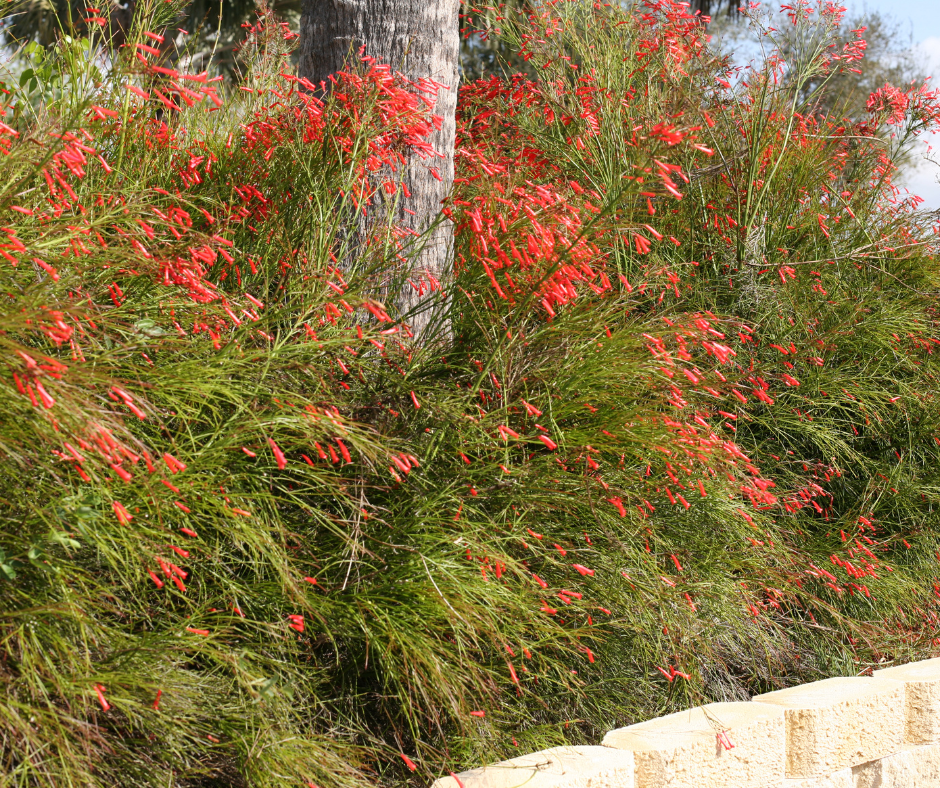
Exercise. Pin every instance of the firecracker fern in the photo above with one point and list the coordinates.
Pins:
(674, 441)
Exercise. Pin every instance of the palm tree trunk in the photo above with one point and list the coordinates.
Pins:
(420, 39)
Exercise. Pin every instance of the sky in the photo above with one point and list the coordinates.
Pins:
(922, 19)
(923, 14)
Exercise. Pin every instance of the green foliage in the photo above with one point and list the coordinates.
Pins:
(254, 534)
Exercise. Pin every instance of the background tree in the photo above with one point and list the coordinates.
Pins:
(889, 59)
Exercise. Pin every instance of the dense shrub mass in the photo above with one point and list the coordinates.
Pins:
(674, 436)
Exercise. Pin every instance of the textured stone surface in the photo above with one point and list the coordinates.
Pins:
(559, 767)
(922, 687)
(840, 779)
(912, 767)
(682, 750)
(840, 722)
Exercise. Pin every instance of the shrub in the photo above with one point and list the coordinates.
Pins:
(675, 442)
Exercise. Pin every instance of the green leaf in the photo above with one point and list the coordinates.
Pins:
(148, 327)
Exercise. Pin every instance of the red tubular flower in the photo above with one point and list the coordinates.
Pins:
(548, 442)
(278, 454)
(47, 268)
(890, 101)
(173, 464)
(129, 402)
(137, 91)
(124, 517)
(724, 740)
(123, 474)
(99, 690)
(531, 409)
(297, 622)
(47, 400)
(618, 503)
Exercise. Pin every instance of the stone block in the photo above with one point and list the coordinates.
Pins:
(922, 688)
(839, 722)
(840, 779)
(683, 750)
(912, 767)
(559, 767)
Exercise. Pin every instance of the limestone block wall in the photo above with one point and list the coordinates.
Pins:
(881, 731)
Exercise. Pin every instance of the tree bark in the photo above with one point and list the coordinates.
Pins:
(420, 39)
